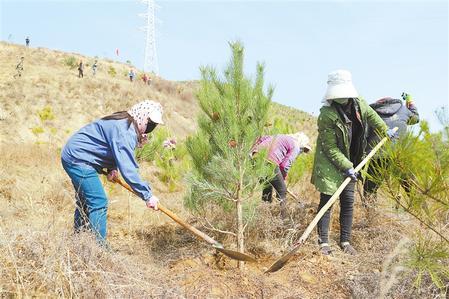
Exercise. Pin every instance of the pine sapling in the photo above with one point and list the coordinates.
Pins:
(225, 177)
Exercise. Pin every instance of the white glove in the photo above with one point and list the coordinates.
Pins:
(152, 203)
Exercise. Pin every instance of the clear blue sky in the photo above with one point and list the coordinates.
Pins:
(389, 46)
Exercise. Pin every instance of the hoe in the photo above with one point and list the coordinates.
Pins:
(218, 246)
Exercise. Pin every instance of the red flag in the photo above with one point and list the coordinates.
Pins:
(116, 51)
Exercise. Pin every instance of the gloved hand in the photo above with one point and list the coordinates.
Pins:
(391, 133)
(408, 99)
(152, 203)
(351, 173)
(112, 175)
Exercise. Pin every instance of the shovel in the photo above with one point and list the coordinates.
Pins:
(218, 246)
(286, 257)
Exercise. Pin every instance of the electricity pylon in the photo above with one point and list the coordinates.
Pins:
(150, 63)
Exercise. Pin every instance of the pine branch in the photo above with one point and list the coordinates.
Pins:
(210, 226)
(422, 221)
(426, 193)
(407, 210)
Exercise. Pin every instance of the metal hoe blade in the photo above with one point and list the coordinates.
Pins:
(234, 254)
(283, 260)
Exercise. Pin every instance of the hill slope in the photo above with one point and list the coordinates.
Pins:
(152, 256)
(48, 80)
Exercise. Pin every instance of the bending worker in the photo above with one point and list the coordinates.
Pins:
(342, 126)
(395, 113)
(108, 143)
(282, 152)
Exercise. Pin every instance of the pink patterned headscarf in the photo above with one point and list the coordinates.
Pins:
(143, 111)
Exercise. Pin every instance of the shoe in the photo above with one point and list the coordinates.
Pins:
(347, 248)
(325, 249)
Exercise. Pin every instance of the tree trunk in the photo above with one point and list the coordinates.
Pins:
(240, 227)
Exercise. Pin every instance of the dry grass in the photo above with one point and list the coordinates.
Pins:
(53, 263)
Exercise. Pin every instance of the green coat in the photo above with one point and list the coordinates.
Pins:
(331, 159)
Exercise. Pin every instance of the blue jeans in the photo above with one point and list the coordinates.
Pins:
(91, 201)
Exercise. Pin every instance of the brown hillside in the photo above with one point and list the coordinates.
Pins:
(47, 81)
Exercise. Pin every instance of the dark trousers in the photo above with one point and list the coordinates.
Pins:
(346, 215)
(278, 183)
(370, 186)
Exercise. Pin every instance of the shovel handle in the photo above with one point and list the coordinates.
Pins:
(170, 214)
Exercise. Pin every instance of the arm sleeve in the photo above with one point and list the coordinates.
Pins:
(123, 154)
(291, 155)
(414, 115)
(328, 139)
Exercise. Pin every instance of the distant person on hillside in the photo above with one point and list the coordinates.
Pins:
(108, 143)
(145, 78)
(81, 70)
(283, 149)
(395, 113)
(131, 75)
(340, 148)
(27, 41)
(94, 68)
(19, 68)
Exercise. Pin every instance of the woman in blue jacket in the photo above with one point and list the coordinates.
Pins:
(108, 143)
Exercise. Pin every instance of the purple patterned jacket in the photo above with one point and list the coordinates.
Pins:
(282, 150)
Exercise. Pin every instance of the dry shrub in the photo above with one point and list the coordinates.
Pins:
(187, 96)
(269, 234)
(164, 86)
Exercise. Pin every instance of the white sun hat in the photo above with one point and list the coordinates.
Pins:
(301, 140)
(339, 86)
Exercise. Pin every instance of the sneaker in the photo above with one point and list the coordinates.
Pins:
(347, 248)
(325, 249)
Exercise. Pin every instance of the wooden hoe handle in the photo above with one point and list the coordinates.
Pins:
(170, 214)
